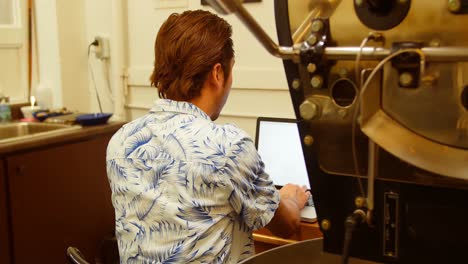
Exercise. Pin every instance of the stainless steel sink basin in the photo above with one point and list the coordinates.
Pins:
(14, 131)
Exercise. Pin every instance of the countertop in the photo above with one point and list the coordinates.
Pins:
(61, 137)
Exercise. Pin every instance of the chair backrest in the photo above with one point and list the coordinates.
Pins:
(74, 256)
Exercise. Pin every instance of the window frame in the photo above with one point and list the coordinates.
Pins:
(11, 35)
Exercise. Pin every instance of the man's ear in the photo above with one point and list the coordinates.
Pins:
(217, 75)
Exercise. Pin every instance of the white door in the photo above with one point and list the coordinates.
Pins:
(14, 49)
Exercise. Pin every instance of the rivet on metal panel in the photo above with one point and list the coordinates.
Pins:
(317, 25)
(406, 79)
(311, 67)
(312, 39)
(308, 110)
(296, 84)
(454, 5)
(308, 140)
(316, 81)
(325, 224)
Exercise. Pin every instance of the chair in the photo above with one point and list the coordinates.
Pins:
(74, 256)
(108, 253)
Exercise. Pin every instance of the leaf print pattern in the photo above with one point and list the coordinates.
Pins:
(174, 148)
(141, 206)
(136, 140)
(114, 168)
(196, 213)
(183, 187)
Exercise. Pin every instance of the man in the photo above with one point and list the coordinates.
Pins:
(184, 188)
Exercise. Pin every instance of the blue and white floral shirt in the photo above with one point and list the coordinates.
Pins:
(186, 190)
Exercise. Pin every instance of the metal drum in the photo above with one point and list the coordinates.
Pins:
(308, 251)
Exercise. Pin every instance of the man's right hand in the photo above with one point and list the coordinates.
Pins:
(287, 219)
(298, 194)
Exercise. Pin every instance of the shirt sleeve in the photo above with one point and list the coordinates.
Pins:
(253, 195)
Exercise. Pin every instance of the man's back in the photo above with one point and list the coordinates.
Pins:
(185, 189)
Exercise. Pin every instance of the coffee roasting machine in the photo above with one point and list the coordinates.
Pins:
(380, 90)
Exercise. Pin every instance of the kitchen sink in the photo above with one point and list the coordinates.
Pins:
(14, 131)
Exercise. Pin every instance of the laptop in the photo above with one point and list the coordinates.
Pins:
(279, 145)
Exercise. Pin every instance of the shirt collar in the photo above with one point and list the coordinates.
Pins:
(167, 105)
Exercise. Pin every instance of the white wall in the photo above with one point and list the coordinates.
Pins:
(62, 72)
(76, 93)
(259, 86)
(98, 22)
(64, 31)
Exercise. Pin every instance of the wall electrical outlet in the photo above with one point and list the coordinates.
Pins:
(102, 50)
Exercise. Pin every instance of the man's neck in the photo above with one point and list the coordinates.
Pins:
(205, 104)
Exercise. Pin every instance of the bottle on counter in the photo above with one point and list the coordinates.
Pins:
(5, 110)
(43, 95)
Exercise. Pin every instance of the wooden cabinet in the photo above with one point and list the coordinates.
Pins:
(58, 197)
(4, 217)
(265, 240)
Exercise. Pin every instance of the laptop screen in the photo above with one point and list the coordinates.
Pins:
(279, 145)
